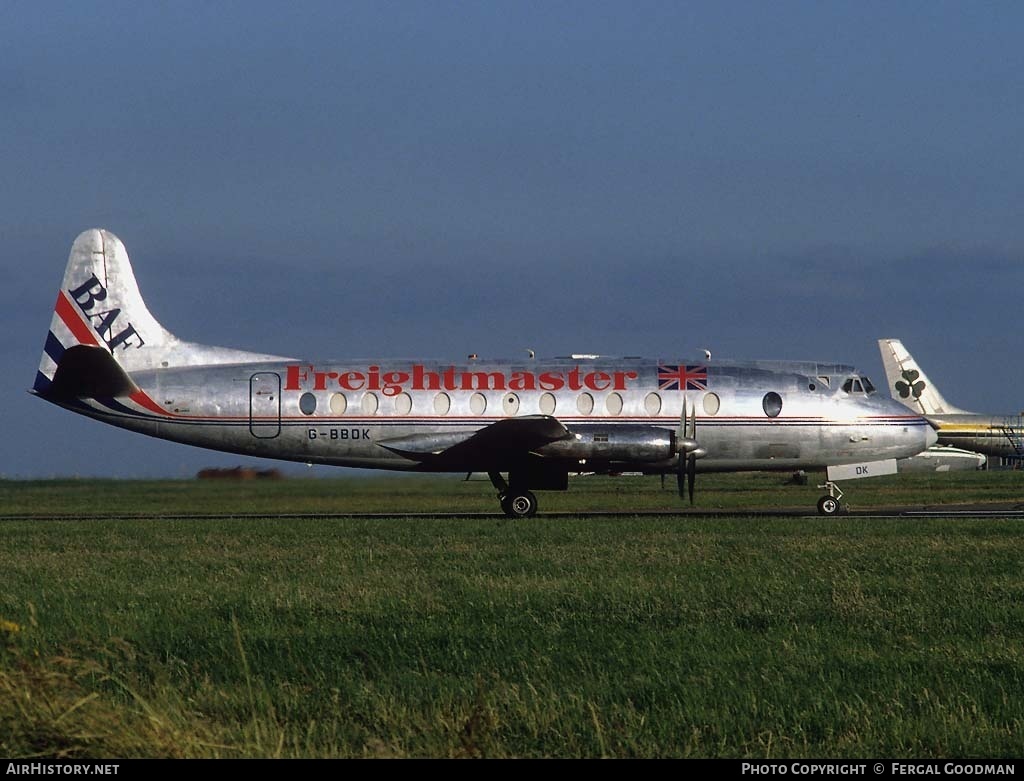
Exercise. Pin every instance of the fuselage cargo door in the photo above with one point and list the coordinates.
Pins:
(265, 405)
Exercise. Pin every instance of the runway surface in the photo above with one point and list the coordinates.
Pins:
(1015, 510)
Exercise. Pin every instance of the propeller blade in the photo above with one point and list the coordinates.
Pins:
(689, 451)
(681, 439)
(691, 474)
(693, 422)
(691, 466)
(681, 434)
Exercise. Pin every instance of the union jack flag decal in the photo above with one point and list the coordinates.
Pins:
(682, 377)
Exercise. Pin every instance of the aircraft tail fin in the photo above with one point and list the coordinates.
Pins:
(99, 306)
(908, 383)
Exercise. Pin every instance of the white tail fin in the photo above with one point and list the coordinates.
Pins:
(99, 305)
(908, 383)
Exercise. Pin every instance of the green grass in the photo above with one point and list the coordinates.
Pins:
(578, 637)
(444, 493)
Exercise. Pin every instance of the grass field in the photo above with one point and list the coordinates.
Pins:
(566, 637)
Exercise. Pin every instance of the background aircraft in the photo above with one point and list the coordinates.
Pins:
(943, 459)
(107, 357)
(994, 435)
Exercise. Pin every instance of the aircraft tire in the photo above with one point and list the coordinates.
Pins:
(828, 505)
(520, 504)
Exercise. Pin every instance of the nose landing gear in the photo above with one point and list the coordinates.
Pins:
(829, 503)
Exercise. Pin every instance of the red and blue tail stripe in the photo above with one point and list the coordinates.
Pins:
(67, 329)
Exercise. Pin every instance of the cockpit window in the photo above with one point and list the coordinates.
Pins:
(858, 385)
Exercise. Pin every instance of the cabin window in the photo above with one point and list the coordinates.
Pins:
(307, 403)
(511, 404)
(585, 403)
(403, 404)
(547, 404)
(338, 403)
(613, 404)
(772, 404)
(652, 403)
(712, 403)
(370, 404)
(442, 403)
(478, 404)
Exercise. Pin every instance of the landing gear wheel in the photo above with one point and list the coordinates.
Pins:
(521, 504)
(828, 505)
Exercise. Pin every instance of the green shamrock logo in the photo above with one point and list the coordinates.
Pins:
(911, 385)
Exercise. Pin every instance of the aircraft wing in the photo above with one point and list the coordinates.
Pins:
(505, 438)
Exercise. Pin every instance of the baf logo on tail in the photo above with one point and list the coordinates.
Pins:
(99, 309)
(84, 316)
(88, 296)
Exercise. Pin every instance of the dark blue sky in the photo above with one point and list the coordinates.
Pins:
(770, 180)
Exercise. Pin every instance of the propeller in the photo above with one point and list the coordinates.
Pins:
(689, 451)
(691, 474)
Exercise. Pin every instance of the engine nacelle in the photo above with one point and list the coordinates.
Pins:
(613, 443)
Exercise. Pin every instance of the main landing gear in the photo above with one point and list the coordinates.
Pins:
(519, 505)
(516, 500)
(829, 503)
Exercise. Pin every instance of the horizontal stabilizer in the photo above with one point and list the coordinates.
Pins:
(505, 439)
(86, 372)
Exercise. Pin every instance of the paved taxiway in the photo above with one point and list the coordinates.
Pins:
(1015, 510)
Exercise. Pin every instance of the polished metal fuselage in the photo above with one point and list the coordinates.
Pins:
(749, 416)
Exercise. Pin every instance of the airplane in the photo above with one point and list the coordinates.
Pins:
(943, 459)
(992, 435)
(535, 420)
